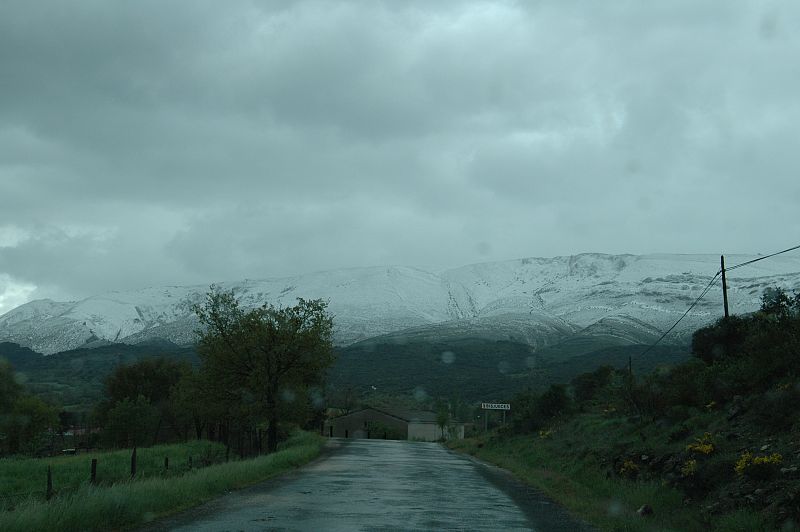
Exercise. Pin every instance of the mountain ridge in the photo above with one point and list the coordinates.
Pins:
(540, 300)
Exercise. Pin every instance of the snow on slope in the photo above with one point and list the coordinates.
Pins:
(535, 299)
(656, 289)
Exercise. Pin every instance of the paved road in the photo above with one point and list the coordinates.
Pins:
(377, 485)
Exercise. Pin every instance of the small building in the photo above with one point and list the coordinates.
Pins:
(372, 423)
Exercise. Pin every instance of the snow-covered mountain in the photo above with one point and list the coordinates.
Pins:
(534, 300)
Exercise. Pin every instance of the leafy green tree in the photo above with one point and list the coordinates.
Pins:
(776, 302)
(151, 378)
(554, 402)
(259, 354)
(531, 412)
(24, 418)
(31, 417)
(587, 385)
(130, 422)
(190, 406)
(442, 418)
(345, 398)
(720, 341)
(9, 388)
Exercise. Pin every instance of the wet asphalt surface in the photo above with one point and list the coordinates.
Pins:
(378, 485)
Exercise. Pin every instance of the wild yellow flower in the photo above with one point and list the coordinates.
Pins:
(743, 462)
(748, 463)
(773, 459)
(703, 445)
(628, 468)
(689, 468)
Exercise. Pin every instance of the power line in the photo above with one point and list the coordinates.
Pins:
(762, 258)
(708, 287)
(696, 301)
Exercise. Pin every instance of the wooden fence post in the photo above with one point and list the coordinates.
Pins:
(190, 461)
(49, 492)
(166, 463)
(93, 477)
(133, 463)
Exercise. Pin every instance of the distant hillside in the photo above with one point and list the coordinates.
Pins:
(475, 369)
(472, 369)
(75, 379)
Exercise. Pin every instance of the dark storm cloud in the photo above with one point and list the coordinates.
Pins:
(151, 142)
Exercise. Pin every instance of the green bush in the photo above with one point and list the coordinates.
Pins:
(587, 385)
(720, 341)
(776, 410)
(531, 412)
(747, 354)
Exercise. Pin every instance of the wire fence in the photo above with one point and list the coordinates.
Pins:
(49, 490)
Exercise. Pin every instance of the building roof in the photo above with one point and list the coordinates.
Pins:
(410, 416)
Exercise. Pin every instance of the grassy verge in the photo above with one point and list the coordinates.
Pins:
(130, 503)
(608, 503)
(25, 478)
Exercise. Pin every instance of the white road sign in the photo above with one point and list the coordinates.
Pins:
(495, 406)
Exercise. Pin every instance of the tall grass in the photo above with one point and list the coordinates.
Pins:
(131, 503)
(23, 478)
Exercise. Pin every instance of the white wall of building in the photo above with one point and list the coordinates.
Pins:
(431, 431)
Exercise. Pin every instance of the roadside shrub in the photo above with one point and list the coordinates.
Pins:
(629, 469)
(721, 340)
(554, 402)
(686, 384)
(680, 431)
(532, 412)
(747, 354)
(678, 413)
(701, 475)
(524, 415)
(647, 397)
(587, 385)
(776, 410)
(714, 471)
(670, 395)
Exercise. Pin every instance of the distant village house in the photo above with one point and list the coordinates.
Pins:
(372, 423)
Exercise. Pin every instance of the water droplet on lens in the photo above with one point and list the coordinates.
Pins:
(419, 394)
(288, 396)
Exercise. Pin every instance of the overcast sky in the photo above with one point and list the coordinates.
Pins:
(147, 143)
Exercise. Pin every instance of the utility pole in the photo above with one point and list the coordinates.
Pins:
(724, 284)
